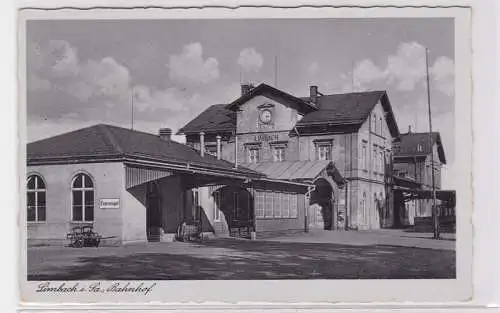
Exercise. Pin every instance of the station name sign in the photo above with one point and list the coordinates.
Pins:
(109, 203)
(266, 137)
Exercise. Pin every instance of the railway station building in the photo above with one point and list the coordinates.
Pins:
(339, 143)
(268, 162)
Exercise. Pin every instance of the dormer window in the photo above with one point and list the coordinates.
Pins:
(419, 147)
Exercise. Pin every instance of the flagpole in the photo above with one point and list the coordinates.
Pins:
(132, 109)
(435, 215)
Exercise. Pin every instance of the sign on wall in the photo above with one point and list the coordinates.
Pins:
(266, 137)
(109, 203)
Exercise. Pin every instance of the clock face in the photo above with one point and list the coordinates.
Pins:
(266, 116)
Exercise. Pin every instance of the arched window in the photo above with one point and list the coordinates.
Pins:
(374, 128)
(380, 125)
(35, 192)
(82, 198)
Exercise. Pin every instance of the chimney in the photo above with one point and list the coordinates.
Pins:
(218, 147)
(409, 129)
(245, 88)
(313, 94)
(165, 134)
(202, 144)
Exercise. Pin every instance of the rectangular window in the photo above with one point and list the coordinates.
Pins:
(277, 204)
(77, 213)
(253, 155)
(286, 205)
(279, 154)
(259, 212)
(269, 204)
(324, 152)
(31, 207)
(216, 196)
(375, 161)
(293, 206)
(41, 206)
(77, 205)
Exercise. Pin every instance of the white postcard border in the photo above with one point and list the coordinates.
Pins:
(305, 291)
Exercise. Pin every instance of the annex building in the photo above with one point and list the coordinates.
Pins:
(268, 162)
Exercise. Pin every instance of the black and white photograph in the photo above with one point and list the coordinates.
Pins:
(241, 149)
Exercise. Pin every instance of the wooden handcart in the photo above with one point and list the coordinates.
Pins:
(83, 236)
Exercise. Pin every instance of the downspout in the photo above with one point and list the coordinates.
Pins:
(253, 234)
(235, 150)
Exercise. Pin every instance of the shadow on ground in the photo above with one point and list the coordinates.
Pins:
(256, 260)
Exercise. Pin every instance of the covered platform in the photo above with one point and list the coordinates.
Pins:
(323, 200)
(407, 190)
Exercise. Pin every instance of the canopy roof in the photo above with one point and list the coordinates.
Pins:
(297, 170)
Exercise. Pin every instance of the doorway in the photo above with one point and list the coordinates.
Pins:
(154, 216)
(321, 206)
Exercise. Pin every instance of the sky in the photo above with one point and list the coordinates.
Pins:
(84, 72)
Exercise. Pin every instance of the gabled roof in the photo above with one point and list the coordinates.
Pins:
(334, 110)
(100, 143)
(301, 105)
(349, 108)
(297, 170)
(409, 145)
(214, 119)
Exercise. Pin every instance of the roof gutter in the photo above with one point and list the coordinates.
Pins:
(188, 167)
(195, 168)
(287, 182)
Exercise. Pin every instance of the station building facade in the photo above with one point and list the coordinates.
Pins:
(341, 144)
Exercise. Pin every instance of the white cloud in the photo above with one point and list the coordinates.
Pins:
(250, 60)
(407, 67)
(103, 88)
(56, 65)
(58, 56)
(171, 99)
(443, 73)
(405, 70)
(366, 72)
(108, 77)
(190, 67)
